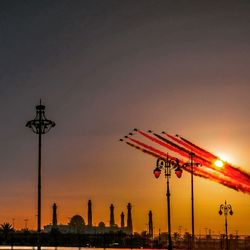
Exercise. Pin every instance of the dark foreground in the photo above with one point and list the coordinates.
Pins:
(121, 240)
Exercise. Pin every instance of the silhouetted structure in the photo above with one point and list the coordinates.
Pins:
(129, 219)
(122, 220)
(54, 217)
(150, 224)
(40, 125)
(89, 213)
(225, 209)
(77, 223)
(112, 217)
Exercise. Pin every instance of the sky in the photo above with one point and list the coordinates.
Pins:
(103, 68)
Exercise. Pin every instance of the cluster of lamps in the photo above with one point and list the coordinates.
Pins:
(167, 165)
(226, 209)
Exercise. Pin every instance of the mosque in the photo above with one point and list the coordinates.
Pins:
(77, 223)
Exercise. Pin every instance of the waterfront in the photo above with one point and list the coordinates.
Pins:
(56, 248)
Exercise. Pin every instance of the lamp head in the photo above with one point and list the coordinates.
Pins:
(157, 172)
(178, 172)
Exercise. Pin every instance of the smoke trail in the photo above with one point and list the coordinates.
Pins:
(186, 168)
(178, 149)
(241, 175)
(148, 147)
(227, 178)
(227, 170)
(170, 147)
(142, 150)
(197, 158)
(201, 172)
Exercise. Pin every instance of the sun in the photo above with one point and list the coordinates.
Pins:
(219, 163)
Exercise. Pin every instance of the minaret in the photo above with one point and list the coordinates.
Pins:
(122, 220)
(89, 213)
(150, 224)
(129, 219)
(54, 217)
(112, 217)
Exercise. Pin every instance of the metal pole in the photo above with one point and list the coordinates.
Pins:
(39, 182)
(227, 246)
(192, 198)
(40, 125)
(169, 222)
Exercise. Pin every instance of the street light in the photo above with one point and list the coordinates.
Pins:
(226, 208)
(40, 125)
(167, 165)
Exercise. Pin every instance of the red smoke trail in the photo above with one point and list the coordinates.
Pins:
(228, 170)
(148, 147)
(142, 150)
(195, 147)
(198, 150)
(198, 158)
(227, 178)
(172, 148)
(166, 155)
(159, 155)
(237, 173)
(201, 172)
(178, 149)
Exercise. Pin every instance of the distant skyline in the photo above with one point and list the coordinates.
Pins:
(103, 68)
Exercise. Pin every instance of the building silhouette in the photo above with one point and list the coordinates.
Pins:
(112, 216)
(54, 216)
(129, 219)
(122, 220)
(150, 224)
(77, 223)
(89, 213)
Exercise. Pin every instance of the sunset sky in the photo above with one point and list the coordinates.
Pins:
(103, 68)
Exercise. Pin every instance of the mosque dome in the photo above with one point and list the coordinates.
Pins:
(77, 222)
(101, 224)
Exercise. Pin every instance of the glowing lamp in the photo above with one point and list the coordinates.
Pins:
(178, 172)
(157, 172)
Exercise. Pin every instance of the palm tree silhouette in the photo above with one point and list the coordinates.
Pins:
(6, 228)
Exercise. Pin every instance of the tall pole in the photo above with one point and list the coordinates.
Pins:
(167, 165)
(192, 197)
(227, 246)
(39, 185)
(226, 208)
(169, 221)
(40, 125)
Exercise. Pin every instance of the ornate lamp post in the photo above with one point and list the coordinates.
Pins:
(225, 209)
(167, 165)
(40, 125)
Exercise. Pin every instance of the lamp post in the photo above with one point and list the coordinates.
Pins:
(40, 125)
(192, 164)
(225, 209)
(167, 165)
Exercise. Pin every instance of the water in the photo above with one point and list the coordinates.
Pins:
(61, 248)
